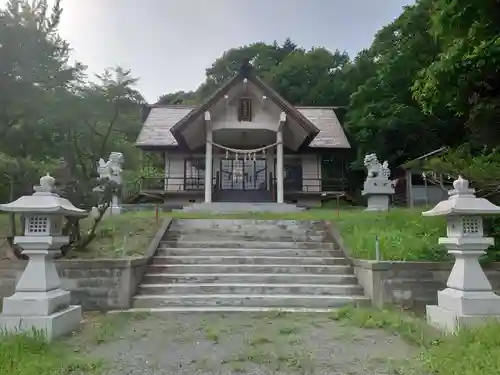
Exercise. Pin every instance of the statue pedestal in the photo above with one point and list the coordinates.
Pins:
(115, 208)
(377, 191)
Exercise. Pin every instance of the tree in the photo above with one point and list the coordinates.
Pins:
(52, 119)
(262, 56)
(178, 97)
(310, 78)
(383, 117)
(482, 169)
(465, 76)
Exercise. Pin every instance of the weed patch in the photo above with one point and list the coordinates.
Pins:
(30, 354)
(473, 351)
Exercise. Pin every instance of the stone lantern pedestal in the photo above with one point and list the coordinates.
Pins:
(468, 298)
(39, 302)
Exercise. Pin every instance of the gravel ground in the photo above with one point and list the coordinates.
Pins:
(239, 343)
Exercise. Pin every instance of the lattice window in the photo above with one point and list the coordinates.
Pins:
(471, 226)
(245, 110)
(38, 224)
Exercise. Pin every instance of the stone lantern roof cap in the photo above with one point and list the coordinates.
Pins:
(463, 201)
(44, 200)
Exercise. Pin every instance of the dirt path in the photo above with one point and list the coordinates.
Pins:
(239, 343)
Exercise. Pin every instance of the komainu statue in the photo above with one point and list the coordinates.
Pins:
(375, 169)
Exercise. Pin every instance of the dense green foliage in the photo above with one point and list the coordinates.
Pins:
(52, 118)
(429, 79)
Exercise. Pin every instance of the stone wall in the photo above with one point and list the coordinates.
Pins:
(101, 284)
(409, 284)
(94, 284)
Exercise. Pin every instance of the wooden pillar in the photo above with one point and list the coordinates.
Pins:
(166, 172)
(208, 159)
(409, 188)
(280, 196)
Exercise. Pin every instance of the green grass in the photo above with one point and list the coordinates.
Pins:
(31, 355)
(124, 235)
(469, 352)
(404, 234)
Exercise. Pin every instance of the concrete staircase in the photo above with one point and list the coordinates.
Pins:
(247, 265)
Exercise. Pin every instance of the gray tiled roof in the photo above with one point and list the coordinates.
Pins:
(331, 134)
(156, 129)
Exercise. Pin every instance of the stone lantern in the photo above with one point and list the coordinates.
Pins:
(39, 302)
(468, 298)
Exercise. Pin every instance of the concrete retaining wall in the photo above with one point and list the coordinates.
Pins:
(94, 284)
(410, 285)
(147, 207)
(102, 284)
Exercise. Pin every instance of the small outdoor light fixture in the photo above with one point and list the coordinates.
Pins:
(39, 302)
(468, 298)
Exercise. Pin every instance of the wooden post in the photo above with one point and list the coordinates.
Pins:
(279, 161)
(208, 159)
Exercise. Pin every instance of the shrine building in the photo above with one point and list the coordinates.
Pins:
(245, 143)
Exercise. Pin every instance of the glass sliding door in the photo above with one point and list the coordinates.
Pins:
(243, 174)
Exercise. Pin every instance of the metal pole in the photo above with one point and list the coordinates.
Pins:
(377, 248)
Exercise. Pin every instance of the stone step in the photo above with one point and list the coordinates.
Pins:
(253, 300)
(245, 223)
(203, 259)
(252, 288)
(222, 309)
(248, 268)
(259, 278)
(243, 207)
(245, 232)
(247, 244)
(242, 237)
(210, 225)
(248, 252)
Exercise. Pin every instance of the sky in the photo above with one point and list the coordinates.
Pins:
(168, 44)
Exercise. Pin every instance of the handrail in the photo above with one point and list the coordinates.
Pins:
(167, 183)
(316, 184)
(179, 184)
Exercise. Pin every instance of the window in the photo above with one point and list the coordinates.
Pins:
(245, 110)
(194, 174)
